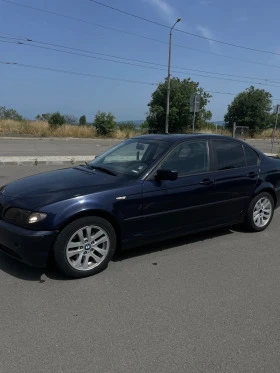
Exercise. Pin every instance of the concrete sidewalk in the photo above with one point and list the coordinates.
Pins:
(48, 160)
(56, 160)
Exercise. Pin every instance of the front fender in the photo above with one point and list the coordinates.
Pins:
(122, 206)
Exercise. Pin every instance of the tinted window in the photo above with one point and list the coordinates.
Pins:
(188, 158)
(131, 157)
(252, 157)
(229, 154)
(132, 152)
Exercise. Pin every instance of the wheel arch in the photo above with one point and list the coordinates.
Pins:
(98, 213)
(269, 190)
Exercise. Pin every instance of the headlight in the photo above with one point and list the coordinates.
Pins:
(23, 217)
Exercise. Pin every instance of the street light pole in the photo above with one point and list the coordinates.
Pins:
(169, 75)
(275, 127)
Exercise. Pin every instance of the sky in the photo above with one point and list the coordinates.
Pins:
(251, 23)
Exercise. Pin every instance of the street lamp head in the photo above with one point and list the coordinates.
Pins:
(179, 20)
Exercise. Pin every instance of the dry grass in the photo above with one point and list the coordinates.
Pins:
(120, 134)
(42, 129)
(267, 134)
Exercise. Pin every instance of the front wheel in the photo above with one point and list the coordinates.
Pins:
(260, 212)
(85, 247)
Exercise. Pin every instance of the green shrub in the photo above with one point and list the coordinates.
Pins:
(105, 124)
(56, 120)
(9, 114)
(126, 126)
(83, 120)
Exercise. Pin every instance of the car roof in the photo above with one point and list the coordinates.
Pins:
(173, 138)
(177, 138)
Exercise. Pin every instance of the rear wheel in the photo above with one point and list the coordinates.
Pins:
(85, 247)
(260, 212)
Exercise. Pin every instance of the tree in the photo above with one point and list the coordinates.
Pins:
(83, 120)
(71, 119)
(180, 118)
(56, 120)
(9, 114)
(105, 124)
(250, 108)
(43, 117)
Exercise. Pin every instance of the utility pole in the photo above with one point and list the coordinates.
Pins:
(233, 129)
(169, 76)
(194, 111)
(275, 126)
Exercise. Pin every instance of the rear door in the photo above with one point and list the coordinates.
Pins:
(237, 171)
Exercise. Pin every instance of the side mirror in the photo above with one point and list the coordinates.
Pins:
(167, 175)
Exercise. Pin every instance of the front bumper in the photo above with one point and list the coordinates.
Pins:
(30, 247)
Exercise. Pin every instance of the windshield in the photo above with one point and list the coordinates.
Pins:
(131, 158)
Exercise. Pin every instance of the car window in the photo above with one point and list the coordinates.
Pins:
(131, 152)
(131, 158)
(229, 154)
(189, 158)
(252, 157)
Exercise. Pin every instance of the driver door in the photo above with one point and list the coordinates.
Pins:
(184, 204)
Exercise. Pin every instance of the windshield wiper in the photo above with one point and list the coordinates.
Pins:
(100, 168)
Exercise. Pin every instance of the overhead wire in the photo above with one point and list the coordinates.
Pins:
(137, 35)
(75, 73)
(31, 40)
(185, 32)
(9, 63)
(142, 66)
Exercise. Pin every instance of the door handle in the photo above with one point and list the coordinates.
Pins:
(207, 182)
(252, 174)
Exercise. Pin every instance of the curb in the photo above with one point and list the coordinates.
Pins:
(45, 160)
(56, 160)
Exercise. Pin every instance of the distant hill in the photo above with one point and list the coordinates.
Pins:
(136, 122)
(219, 123)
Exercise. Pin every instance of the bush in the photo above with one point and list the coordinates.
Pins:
(83, 120)
(105, 124)
(126, 126)
(71, 119)
(9, 114)
(144, 128)
(56, 120)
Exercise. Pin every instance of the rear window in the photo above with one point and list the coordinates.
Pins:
(252, 158)
(229, 155)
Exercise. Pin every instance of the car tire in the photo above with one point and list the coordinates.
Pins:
(260, 212)
(85, 247)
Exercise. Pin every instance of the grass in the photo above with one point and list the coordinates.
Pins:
(42, 129)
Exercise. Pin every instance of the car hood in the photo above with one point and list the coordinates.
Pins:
(50, 187)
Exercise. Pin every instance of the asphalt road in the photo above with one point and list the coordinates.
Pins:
(204, 303)
(72, 147)
(52, 146)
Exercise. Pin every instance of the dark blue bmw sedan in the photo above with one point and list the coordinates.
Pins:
(145, 189)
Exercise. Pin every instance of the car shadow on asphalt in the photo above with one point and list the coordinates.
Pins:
(172, 243)
(24, 272)
(27, 273)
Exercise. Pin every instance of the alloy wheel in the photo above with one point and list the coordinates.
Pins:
(87, 248)
(262, 212)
